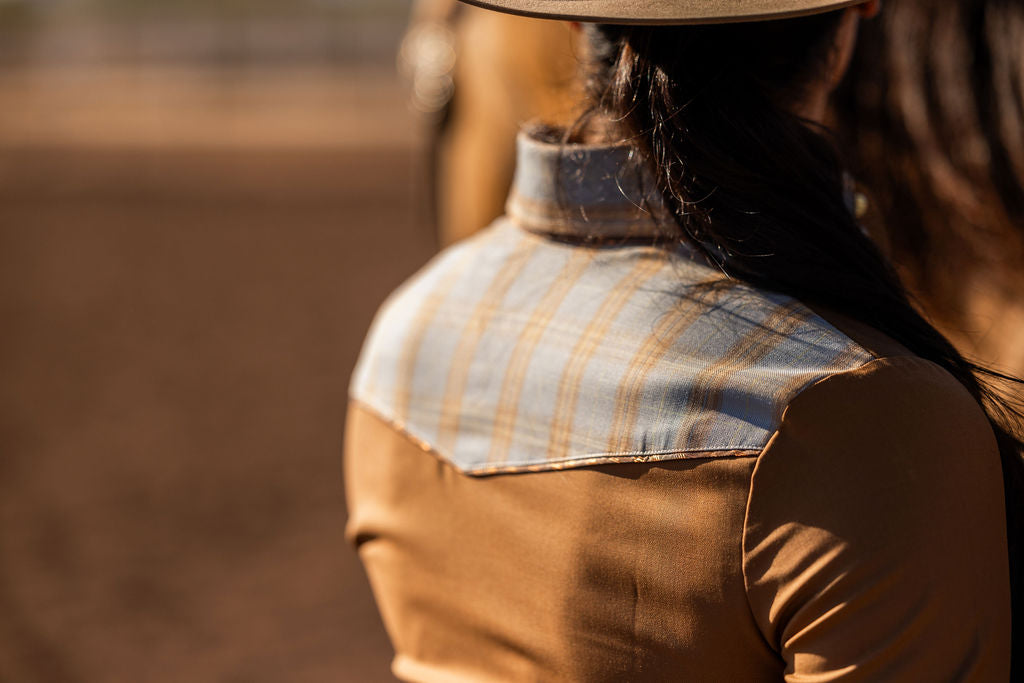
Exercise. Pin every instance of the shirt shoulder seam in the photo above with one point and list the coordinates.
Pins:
(573, 462)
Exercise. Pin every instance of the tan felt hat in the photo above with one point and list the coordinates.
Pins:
(664, 11)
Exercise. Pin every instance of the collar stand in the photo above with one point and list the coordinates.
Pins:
(582, 190)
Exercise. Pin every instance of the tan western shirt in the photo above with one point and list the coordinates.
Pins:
(604, 461)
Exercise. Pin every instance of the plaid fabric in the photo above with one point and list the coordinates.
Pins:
(514, 352)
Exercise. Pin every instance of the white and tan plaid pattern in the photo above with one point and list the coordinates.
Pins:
(541, 355)
(516, 352)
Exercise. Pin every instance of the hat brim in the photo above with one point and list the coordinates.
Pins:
(654, 12)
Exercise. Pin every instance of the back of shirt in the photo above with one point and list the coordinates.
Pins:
(604, 463)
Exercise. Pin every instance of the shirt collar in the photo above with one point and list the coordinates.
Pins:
(601, 191)
(597, 191)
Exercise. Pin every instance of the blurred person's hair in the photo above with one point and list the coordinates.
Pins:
(761, 192)
(931, 117)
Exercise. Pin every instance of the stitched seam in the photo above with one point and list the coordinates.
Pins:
(525, 466)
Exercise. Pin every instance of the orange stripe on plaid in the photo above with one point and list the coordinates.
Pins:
(590, 340)
(515, 375)
(472, 332)
(706, 394)
(418, 330)
(627, 398)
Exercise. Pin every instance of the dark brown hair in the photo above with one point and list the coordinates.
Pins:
(760, 192)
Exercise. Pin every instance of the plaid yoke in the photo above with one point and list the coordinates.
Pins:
(514, 352)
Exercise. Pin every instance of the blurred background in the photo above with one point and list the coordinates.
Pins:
(202, 202)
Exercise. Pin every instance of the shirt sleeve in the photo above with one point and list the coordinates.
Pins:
(874, 547)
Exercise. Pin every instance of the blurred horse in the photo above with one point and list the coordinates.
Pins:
(931, 118)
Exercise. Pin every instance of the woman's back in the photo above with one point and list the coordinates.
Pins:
(605, 461)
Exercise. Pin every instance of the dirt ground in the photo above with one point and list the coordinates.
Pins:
(178, 330)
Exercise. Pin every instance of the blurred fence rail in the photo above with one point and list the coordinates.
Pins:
(199, 41)
(174, 106)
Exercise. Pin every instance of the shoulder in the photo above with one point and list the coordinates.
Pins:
(511, 352)
(891, 399)
(514, 352)
(897, 430)
(896, 411)
(875, 540)
(405, 317)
